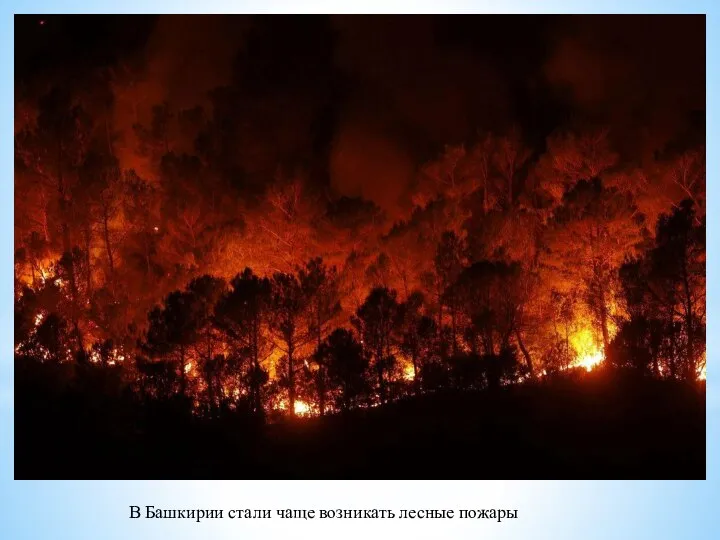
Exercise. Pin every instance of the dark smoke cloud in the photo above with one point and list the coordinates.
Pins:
(367, 161)
(408, 96)
(363, 101)
(185, 58)
(643, 76)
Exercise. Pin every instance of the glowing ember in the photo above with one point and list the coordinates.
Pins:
(38, 319)
(228, 391)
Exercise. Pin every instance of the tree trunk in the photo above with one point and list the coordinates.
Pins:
(46, 230)
(416, 383)
(567, 345)
(183, 375)
(108, 247)
(489, 342)
(485, 195)
(320, 383)
(524, 351)
(67, 249)
(673, 352)
(381, 373)
(291, 379)
(689, 324)
(453, 320)
(256, 366)
(603, 315)
(87, 233)
(321, 373)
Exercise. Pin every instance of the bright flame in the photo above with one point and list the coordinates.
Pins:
(302, 408)
(409, 372)
(587, 353)
(589, 361)
(406, 367)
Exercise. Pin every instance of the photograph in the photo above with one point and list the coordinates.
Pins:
(359, 247)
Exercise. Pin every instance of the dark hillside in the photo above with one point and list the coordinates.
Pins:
(593, 427)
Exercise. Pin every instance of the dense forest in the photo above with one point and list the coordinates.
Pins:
(224, 229)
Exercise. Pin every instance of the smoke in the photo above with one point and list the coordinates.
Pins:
(642, 76)
(367, 161)
(408, 96)
(185, 57)
(406, 90)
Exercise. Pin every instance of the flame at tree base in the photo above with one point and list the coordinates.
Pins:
(589, 361)
(588, 354)
(301, 408)
(409, 372)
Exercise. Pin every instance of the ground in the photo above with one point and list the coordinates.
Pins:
(596, 427)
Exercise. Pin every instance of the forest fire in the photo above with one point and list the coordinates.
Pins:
(221, 248)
